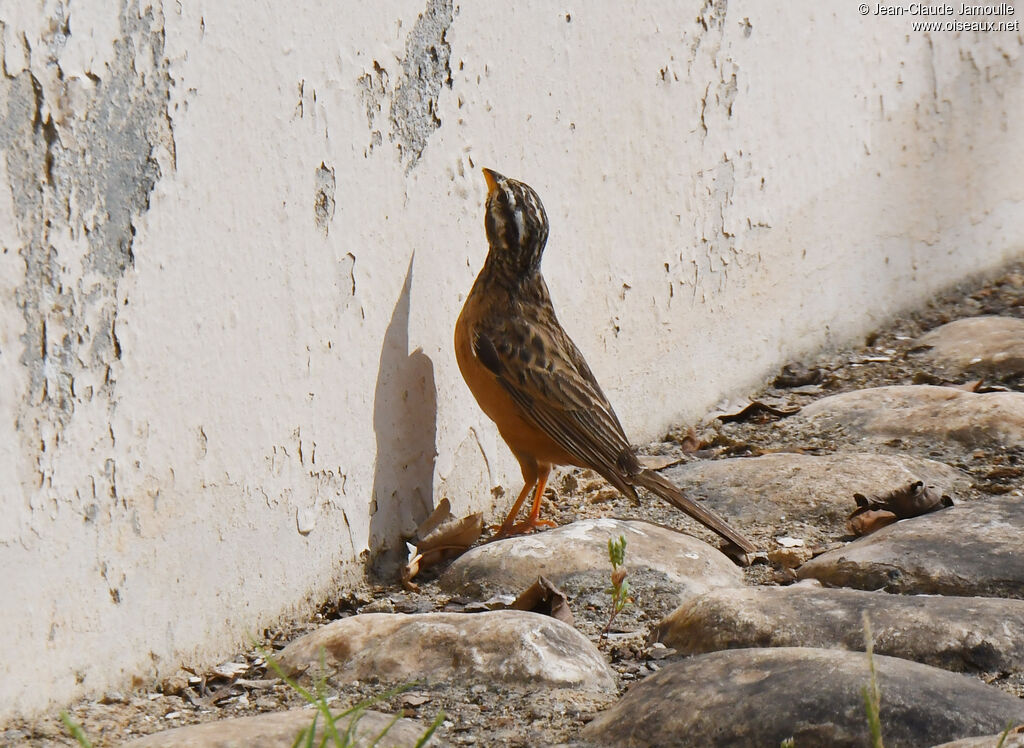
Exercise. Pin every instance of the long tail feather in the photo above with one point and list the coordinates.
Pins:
(670, 493)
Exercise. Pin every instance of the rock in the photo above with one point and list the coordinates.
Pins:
(760, 697)
(517, 648)
(575, 556)
(984, 346)
(923, 415)
(280, 728)
(954, 633)
(805, 488)
(1015, 739)
(789, 558)
(972, 549)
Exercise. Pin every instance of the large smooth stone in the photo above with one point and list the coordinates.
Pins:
(1015, 739)
(280, 729)
(923, 415)
(577, 554)
(516, 648)
(986, 346)
(760, 697)
(806, 488)
(954, 633)
(973, 549)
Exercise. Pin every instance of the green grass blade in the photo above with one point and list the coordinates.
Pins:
(306, 735)
(871, 692)
(317, 698)
(1005, 733)
(75, 730)
(350, 732)
(425, 737)
(384, 732)
(279, 671)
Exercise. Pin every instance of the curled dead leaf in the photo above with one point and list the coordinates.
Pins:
(410, 570)
(415, 698)
(441, 537)
(758, 412)
(797, 375)
(972, 386)
(1005, 471)
(544, 597)
(867, 521)
(909, 500)
(975, 385)
(690, 442)
(658, 462)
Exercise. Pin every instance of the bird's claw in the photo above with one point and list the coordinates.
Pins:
(531, 524)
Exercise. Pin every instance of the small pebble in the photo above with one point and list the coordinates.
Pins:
(379, 606)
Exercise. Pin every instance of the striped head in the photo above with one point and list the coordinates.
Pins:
(517, 226)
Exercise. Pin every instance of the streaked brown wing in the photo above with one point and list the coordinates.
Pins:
(556, 390)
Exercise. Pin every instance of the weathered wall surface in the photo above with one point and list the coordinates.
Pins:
(234, 240)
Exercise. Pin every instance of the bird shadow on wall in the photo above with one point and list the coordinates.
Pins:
(404, 421)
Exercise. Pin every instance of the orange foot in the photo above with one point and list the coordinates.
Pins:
(531, 524)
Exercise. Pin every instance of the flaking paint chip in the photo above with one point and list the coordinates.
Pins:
(305, 521)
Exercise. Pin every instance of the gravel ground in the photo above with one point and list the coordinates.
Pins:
(488, 715)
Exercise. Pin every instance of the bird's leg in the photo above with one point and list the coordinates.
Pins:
(533, 521)
(536, 480)
(508, 527)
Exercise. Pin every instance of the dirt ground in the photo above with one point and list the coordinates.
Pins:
(487, 715)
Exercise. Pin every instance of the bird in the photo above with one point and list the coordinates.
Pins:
(528, 376)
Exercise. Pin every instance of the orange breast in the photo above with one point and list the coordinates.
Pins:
(524, 438)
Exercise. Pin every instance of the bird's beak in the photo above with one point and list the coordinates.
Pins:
(491, 177)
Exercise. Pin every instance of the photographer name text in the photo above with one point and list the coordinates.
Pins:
(942, 9)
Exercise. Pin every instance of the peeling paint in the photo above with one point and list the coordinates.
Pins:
(374, 89)
(323, 200)
(425, 69)
(100, 162)
(412, 114)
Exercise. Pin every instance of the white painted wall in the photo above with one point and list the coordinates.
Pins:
(235, 239)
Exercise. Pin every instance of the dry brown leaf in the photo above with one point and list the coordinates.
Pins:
(975, 385)
(409, 571)
(1005, 471)
(230, 669)
(658, 462)
(797, 375)
(441, 537)
(983, 388)
(758, 412)
(544, 597)
(690, 443)
(458, 533)
(415, 698)
(972, 386)
(866, 521)
(910, 500)
(441, 513)
(916, 499)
